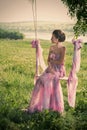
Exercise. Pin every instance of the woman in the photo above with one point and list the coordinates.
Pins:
(47, 93)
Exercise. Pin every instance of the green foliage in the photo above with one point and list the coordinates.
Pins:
(17, 69)
(78, 8)
(10, 34)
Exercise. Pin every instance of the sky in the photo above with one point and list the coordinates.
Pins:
(21, 10)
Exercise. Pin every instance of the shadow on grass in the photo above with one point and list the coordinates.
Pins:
(17, 119)
(71, 119)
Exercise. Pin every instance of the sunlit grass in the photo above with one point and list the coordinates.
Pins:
(17, 69)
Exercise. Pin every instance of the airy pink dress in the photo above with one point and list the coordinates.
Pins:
(47, 93)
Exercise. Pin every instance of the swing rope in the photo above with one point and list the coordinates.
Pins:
(34, 10)
(36, 43)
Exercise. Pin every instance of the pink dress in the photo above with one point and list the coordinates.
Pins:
(47, 93)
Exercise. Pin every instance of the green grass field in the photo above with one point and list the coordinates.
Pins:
(17, 69)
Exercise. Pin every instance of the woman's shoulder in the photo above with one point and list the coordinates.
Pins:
(63, 48)
(52, 47)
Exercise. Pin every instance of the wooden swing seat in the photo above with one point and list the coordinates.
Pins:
(64, 78)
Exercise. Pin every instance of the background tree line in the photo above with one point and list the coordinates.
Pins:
(10, 34)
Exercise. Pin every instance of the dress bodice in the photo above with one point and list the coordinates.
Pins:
(56, 60)
(56, 55)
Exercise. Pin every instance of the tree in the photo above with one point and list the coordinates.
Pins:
(10, 34)
(78, 9)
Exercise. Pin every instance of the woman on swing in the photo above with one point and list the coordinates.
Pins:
(47, 93)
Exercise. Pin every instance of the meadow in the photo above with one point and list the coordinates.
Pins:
(17, 69)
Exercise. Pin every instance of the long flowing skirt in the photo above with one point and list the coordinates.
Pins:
(47, 93)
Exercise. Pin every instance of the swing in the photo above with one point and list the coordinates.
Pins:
(72, 79)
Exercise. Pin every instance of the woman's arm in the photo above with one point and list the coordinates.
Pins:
(50, 50)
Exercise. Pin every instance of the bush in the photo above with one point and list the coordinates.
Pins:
(11, 34)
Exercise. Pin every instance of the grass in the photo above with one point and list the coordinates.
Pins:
(17, 69)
